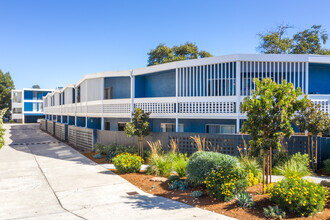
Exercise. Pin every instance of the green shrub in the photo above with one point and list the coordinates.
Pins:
(200, 164)
(196, 194)
(225, 183)
(274, 212)
(326, 167)
(172, 178)
(298, 196)
(11, 121)
(160, 165)
(252, 169)
(244, 199)
(296, 167)
(127, 163)
(179, 165)
(279, 158)
(179, 184)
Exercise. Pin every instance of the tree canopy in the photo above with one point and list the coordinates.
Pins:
(6, 85)
(35, 87)
(309, 41)
(164, 54)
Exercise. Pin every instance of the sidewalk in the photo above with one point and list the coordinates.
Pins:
(41, 178)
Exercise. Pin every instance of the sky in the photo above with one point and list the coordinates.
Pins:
(56, 42)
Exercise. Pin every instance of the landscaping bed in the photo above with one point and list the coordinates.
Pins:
(231, 208)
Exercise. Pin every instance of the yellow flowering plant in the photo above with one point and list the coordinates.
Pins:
(225, 184)
(298, 196)
(127, 163)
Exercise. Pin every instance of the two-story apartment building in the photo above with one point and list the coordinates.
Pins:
(27, 104)
(201, 95)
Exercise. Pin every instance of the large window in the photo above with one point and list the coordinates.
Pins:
(220, 129)
(108, 93)
(170, 127)
(107, 126)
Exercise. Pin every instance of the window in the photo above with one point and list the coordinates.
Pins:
(17, 110)
(108, 93)
(121, 126)
(220, 129)
(78, 94)
(170, 127)
(107, 126)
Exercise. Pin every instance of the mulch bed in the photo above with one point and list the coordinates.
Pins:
(142, 181)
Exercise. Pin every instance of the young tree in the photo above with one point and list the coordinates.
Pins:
(163, 54)
(6, 85)
(310, 41)
(139, 127)
(312, 119)
(2, 130)
(270, 110)
(274, 42)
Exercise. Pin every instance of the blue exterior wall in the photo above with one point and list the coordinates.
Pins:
(114, 122)
(190, 125)
(319, 78)
(161, 84)
(121, 86)
(59, 118)
(64, 119)
(81, 122)
(94, 123)
(71, 120)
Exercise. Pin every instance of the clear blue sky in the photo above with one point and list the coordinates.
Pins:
(56, 42)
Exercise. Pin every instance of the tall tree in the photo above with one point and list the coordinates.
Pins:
(35, 87)
(2, 130)
(163, 54)
(6, 85)
(270, 110)
(275, 42)
(310, 41)
(139, 127)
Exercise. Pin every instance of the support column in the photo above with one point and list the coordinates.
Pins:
(86, 122)
(177, 129)
(102, 123)
(306, 77)
(75, 121)
(238, 94)
(237, 125)
(132, 92)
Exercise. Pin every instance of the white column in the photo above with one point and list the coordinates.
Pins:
(132, 91)
(86, 121)
(75, 121)
(102, 123)
(307, 76)
(238, 93)
(177, 103)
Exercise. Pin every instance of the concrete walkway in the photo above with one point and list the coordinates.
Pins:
(41, 178)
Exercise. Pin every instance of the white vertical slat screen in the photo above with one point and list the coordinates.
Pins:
(293, 72)
(207, 80)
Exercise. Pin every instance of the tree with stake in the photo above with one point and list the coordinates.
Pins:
(139, 127)
(270, 111)
(312, 119)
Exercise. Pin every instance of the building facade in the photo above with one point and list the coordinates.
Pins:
(27, 104)
(201, 95)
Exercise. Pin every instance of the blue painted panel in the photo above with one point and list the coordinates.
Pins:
(161, 84)
(59, 118)
(319, 78)
(33, 114)
(190, 125)
(121, 86)
(94, 123)
(81, 122)
(28, 106)
(28, 95)
(65, 119)
(114, 122)
(71, 120)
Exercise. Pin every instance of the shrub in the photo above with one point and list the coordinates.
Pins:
(298, 196)
(128, 163)
(296, 167)
(11, 121)
(274, 212)
(179, 184)
(326, 167)
(244, 199)
(172, 178)
(160, 165)
(252, 168)
(179, 163)
(196, 194)
(200, 164)
(225, 183)
(280, 158)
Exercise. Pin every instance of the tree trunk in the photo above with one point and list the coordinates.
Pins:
(315, 153)
(312, 151)
(140, 146)
(309, 150)
(263, 172)
(270, 165)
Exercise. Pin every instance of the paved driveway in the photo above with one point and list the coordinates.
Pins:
(42, 178)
